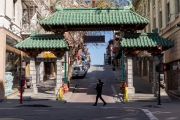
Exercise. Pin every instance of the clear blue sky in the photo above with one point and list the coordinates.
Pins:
(97, 52)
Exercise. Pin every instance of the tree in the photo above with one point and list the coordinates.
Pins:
(75, 40)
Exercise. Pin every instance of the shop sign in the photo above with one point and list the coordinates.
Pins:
(94, 39)
(46, 59)
(49, 55)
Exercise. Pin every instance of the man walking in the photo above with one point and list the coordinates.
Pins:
(99, 92)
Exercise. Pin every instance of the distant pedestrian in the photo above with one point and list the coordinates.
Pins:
(99, 92)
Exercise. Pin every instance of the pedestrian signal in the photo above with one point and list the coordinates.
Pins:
(166, 67)
(161, 67)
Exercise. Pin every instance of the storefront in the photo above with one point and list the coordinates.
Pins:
(10, 62)
(173, 76)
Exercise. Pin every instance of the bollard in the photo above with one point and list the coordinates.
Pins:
(60, 94)
(126, 94)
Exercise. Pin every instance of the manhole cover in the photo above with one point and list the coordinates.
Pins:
(152, 106)
(35, 105)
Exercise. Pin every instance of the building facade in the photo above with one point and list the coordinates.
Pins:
(17, 19)
(164, 15)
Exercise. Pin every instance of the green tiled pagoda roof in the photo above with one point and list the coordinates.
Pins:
(43, 41)
(93, 16)
(144, 40)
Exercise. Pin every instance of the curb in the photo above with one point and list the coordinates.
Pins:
(174, 95)
(12, 95)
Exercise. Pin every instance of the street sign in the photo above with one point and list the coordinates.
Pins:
(94, 39)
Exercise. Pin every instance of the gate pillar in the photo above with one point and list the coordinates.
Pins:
(59, 75)
(131, 89)
(33, 74)
(155, 75)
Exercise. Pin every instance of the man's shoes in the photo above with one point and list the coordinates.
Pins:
(104, 104)
(94, 104)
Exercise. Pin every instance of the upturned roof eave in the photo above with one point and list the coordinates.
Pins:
(46, 23)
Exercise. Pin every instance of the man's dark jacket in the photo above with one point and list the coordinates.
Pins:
(99, 87)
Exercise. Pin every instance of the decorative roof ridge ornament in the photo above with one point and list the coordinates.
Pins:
(155, 30)
(130, 6)
(57, 5)
(33, 33)
(102, 5)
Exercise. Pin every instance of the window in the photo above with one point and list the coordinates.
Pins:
(144, 9)
(14, 2)
(168, 13)
(148, 6)
(11, 41)
(149, 28)
(12, 66)
(153, 2)
(177, 8)
(154, 23)
(159, 4)
(160, 20)
(77, 68)
(31, 12)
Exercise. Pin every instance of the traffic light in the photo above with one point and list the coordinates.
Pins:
(160, 54)
(159, 47)
(161, 67)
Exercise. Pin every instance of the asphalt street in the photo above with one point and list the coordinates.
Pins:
(79, 105)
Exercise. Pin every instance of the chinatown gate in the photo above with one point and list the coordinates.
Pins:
(107, 18)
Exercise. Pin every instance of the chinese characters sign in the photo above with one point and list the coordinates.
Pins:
(94, 39)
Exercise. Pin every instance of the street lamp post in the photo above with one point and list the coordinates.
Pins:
(111, 48)
(65, 85)
(107, 54)
(122, 63)
(65, 77)
(104, 58)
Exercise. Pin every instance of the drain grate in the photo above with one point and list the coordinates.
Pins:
(152, 106)
(35, 105)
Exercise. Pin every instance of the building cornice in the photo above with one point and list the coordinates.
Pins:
(166, 32)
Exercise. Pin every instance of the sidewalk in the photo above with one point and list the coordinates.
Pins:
(143, 89)
(47, 98)
(140, 85)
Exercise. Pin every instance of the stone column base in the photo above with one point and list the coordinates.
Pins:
(131, 91)
(154, 90)
(56, 90)
(35, 90)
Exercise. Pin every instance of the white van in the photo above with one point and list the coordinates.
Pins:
(78, 71)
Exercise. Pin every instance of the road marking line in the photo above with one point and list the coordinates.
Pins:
(149, 114)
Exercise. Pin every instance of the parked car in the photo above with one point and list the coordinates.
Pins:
(78, 71)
